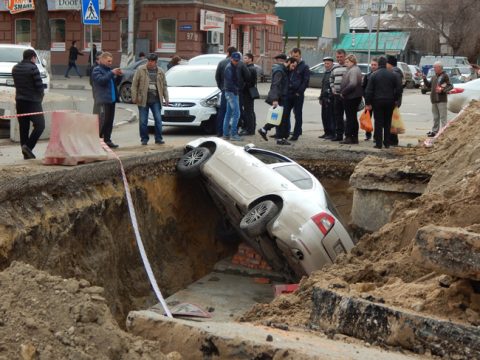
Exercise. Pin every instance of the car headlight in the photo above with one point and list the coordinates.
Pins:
(212, 101)
(43, 74)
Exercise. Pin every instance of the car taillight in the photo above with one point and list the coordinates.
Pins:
(324, 222)
(456, 91)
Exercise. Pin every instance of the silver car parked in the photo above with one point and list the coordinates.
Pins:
(277, 206)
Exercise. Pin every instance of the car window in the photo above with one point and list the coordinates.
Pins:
(267, 157)
(13, 55)
(296, 175)
(318, 69)
(184, 76)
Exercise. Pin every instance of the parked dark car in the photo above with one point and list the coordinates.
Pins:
(127, 79)
(454, 74)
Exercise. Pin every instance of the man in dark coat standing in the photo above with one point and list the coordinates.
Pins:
(297, 84)
(28, 97)
(220, 79)
(326, 102)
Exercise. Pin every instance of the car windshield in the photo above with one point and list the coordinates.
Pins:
(296, 175)
(13, 55)
(184, 76)
(465, 70)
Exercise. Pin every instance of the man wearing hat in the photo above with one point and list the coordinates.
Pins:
(392, 66)
(326, 102)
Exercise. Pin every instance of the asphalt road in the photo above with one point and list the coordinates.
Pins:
(416, 112)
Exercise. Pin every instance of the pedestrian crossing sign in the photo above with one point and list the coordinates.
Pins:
(90, 12)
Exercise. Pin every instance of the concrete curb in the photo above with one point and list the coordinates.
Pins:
(379, 324)
(60, 86)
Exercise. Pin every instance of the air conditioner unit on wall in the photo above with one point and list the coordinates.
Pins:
(213, 37)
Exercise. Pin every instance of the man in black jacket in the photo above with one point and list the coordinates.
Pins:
(392, 66)
(326, 102)
(28, 97)
(219, 78)
(384, 89)
(297, 84)
(72, 58)
(246, 101)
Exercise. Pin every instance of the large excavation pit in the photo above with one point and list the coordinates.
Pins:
(74, 223)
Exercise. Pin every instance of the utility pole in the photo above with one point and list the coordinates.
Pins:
(378, 25)
(130, 48)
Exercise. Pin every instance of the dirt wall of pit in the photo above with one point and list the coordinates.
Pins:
(74, 222)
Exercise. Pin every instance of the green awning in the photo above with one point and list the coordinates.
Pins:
(388, 42)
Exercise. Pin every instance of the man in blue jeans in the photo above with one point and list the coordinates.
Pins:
(233, 82)
(220, 79)
(149, 91)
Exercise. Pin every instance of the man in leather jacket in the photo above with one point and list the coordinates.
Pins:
(28, 97)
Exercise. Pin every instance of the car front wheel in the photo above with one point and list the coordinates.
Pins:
(189, 164)
(254, 223)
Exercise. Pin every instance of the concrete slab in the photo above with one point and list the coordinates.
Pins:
(229, 340)
(224, 296)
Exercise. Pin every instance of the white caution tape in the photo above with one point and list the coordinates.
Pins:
(143, 254)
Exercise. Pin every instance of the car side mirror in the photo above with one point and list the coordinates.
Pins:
(247, 147)
(44, 62)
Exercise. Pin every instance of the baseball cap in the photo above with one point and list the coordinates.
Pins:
(281, 56)
(236, 56)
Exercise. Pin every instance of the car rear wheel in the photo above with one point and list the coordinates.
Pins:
(254, 223)
(189, 164)
(126, 93)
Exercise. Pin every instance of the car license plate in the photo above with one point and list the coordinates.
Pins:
(177, 113)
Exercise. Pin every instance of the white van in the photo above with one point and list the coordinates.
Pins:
(10, 55)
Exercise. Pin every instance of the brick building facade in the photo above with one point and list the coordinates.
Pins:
(185, 27)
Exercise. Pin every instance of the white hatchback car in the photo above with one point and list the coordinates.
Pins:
(277, 206)
(462, 94)
(193, 98)
(10, 55)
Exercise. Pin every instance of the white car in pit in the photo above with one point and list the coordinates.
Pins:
(277, 206)
(193, 98)
(10, 55)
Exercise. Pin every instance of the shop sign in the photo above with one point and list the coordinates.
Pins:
(74, 4)
(16, 6)
(211, 20)
(57, 46)
(166, 47)
(186, 27)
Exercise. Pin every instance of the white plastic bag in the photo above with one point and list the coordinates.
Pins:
(274, 115)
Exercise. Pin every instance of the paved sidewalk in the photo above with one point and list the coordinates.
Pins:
(76, 83)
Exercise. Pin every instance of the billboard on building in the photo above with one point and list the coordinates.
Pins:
(16, 6)
(211, 20)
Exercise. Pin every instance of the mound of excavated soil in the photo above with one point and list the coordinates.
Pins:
(46, 317)
(381, 267)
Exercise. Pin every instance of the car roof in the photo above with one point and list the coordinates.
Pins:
(193, 67)
(16, 46)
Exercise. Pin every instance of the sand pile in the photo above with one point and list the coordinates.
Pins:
(47, 317)
(381, 268)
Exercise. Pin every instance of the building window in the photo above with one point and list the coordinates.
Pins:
(96, 37)
(167, 35)
(57, 31)
(22, 32)
(262, 42)
(124, 36)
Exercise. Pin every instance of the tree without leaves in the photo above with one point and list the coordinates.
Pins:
(443, 17)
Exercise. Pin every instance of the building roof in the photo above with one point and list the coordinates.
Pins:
(387, 22)
(388, 42)
(301, 3)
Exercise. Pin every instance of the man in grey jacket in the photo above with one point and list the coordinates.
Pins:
(440, 85)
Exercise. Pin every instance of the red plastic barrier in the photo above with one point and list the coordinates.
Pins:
(74, 139)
